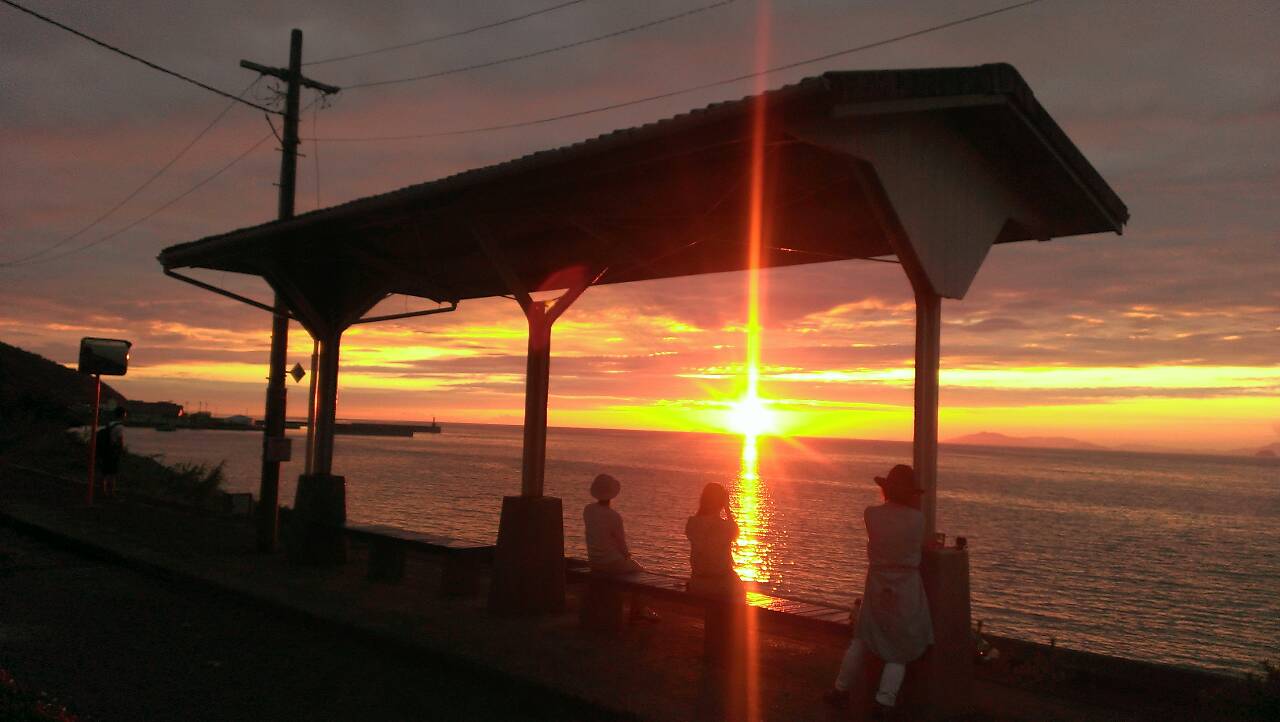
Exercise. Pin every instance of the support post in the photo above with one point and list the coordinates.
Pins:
(528, 564)
(93, 437)
(326, 402)
(925, 446)
(311, 409)
(536, 393)
(277, 392)
(942, 681)
(320, 506)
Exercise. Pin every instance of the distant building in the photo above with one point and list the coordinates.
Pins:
(239, 420)
(146, 412)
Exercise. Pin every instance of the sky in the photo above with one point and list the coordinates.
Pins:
(1166, 336)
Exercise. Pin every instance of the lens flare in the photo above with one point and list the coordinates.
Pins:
(751, 417)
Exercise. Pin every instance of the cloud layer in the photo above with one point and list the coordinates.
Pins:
(1132, 339)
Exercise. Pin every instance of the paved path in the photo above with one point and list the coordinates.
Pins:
(238, 635)
(117, 645)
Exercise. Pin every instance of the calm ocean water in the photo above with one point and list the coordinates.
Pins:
(1163, 557)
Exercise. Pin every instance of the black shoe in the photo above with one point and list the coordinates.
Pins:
(837, 698)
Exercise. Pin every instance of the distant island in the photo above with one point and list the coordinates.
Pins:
(990, 438)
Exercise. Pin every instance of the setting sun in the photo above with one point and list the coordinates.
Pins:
(751, 417)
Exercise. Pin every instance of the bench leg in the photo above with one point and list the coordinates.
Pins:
(602, 608)
(460, 577)
(386, 562)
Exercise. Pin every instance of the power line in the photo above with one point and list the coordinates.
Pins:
(682, 91)
(153, 213)
(446, 36)
(131, 56)
(203, 182)
(546, 51)
(145, 184)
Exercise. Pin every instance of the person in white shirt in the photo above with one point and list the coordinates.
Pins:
(607, 551)
(894, 626)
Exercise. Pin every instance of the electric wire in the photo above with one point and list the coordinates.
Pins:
(544, 51)
(134, 193)
(144, 61)
(205, 181)
(683, 91)
(445, 36)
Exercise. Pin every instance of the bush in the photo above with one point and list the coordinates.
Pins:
(49, 447)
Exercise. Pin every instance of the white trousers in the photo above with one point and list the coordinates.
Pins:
(890, 679)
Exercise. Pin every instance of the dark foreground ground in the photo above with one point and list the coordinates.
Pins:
(130, 610)
(114, 644)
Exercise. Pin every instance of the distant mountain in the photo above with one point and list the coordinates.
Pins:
(989, 438)
(1270, 450)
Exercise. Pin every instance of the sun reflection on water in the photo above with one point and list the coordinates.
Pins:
(751, 551)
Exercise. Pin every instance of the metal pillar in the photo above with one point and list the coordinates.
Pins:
(528, 561)
(311, 409)
(536, 390)
(320, 504)
(326, 403)
(925, 446)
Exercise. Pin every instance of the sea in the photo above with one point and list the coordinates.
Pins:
(1171, 558)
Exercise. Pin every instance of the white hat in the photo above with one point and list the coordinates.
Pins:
(605, 487)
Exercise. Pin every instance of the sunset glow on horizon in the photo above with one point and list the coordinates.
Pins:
(1164, 337)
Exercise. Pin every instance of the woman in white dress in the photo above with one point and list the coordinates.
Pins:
(893, 624)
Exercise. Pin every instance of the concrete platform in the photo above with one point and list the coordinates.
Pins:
(651, 671)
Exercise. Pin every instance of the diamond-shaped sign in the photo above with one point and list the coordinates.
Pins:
(297, 373)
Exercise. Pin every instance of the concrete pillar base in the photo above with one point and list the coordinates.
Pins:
(319, 513)
(940, 684)
(528, 564)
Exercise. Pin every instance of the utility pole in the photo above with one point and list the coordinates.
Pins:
(274, 447)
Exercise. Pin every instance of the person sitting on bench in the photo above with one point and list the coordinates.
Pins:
(711, 534)
(607, 551)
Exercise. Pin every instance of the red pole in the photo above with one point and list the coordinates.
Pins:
(93, 435)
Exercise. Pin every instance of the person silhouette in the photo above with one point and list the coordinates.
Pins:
(711, 533)
(607, 550)
(893, 626)
(110, 443)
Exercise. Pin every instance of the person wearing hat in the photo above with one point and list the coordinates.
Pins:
(893, 625)
(607, 550)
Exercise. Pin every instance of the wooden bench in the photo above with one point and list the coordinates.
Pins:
(724, 619)
(389, 545)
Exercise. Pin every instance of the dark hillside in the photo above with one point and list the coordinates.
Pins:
(39, 399)
(33, 386)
